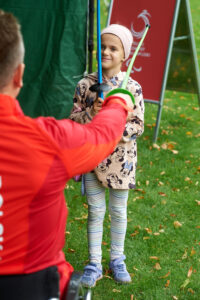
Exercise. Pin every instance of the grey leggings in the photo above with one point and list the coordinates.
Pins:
(95, 193)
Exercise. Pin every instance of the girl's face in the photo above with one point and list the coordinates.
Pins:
(112, 53)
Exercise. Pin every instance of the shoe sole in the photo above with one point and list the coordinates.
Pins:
(119, 281)
(122, 282)
(91, 286)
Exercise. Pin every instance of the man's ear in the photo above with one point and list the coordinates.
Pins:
(18, 76)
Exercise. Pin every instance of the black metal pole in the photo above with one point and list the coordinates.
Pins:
(91, 35)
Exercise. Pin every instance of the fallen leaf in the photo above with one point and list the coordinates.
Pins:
(173, 215)
(166, 275)
(157, 266)
(162, 194)
(176, 190)
(177, 224)
(83, 217)
(154, 257)
(186, 282)
(148, 230)
(189, 272)
(198, 202)
(138, 197)
(188, 161)
(137, 227)
(135, 233)
(185, 255)
(71, 250)
(107, 276)
(193, 252)
(116, 291)
(174, 298)
(164, 146)
(69, 187)
(190, 291)
(170, 146)
(166, 132)
(146, 238)
(140, 190)
(156, 146)
(174, 151)
(145, 138)
(187, 179)
(167, 283)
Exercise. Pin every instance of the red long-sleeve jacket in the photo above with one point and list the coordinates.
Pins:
(37, 157)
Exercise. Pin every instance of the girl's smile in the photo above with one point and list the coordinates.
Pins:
(112, 53)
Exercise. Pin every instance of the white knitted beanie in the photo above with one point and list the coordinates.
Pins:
(123, 33)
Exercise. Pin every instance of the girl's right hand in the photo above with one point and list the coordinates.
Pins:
(97, 105)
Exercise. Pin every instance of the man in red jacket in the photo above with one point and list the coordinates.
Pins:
(37, 158)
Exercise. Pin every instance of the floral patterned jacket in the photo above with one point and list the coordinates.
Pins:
(118, 170)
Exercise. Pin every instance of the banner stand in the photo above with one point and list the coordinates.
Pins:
(166, 71)
(190, 36)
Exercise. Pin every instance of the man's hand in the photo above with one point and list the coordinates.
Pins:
(127, 98)
(129, 103)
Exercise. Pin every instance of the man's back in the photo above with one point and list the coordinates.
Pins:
(32, 206)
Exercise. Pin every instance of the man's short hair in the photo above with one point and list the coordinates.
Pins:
(11, 47)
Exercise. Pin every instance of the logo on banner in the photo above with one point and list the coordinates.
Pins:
(137, 35)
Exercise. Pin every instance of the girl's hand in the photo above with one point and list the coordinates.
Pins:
(97, 105)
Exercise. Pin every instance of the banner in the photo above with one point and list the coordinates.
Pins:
(167, 58)
(149, 66)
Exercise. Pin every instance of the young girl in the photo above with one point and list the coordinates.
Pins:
(117, 172)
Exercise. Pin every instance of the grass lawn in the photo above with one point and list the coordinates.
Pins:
(163, 236)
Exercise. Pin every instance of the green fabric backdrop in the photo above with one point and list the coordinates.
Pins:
(55, 37)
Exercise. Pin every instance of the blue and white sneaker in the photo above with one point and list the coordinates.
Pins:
(91, 274)
(118, 268)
